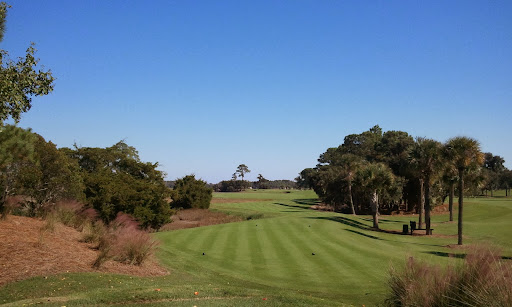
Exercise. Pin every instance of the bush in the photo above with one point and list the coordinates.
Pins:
(123, 241)
(191, 193)
(483, 279)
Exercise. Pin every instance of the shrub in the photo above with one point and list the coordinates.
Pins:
(482, 279)
(190, 192)
(123, 241)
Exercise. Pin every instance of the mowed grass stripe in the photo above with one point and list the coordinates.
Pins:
(322, 265)
(231, 244)
(252, 235)
(348, 260)
(275, 248)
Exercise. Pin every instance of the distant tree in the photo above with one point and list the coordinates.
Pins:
(20, 80)
(493, 167)
(262, 182)
(190, 192)
(427, 158)
(375, 178)
(241, 170)
(463, 153)
(305, 178)
(506, 181)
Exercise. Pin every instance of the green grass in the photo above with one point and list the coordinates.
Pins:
(271, 257)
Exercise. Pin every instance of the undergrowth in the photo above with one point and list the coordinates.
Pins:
(482, 279)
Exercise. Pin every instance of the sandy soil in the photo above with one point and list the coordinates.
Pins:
(27, 250)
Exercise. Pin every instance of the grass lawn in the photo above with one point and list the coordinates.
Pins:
(268, 260)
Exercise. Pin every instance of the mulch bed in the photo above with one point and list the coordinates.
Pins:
(27, 250)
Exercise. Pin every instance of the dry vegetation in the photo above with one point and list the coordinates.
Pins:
(483, 279)
(199, 217)
(34, 247)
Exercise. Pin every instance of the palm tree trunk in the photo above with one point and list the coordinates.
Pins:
(375, 209)
(427, 206)
(350, 197)
(450, 205)
(461, 203)
(421, 205)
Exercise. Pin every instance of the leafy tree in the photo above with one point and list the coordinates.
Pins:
(426, 157)
(506, 181)
(20, 80)
(16, 147)
(375, 178)
(117, 181)
(241, 170)
(190, 192)
(493, 167)
(464, 153)
(49, 177)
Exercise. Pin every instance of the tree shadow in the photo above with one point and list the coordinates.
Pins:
(448, 255)
(459, 256)
(292, 206)
(364, 234)
(306, 201)
(343, 220)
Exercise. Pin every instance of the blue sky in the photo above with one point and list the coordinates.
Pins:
(202, 86)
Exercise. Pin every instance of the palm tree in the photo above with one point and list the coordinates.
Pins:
(426, 157)
(375, 177)
(450, 177)
(350, 163)
(464, 153)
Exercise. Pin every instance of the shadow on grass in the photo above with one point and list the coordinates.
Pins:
(307, 201)
(356, 224)
(459, 256)
(364, 234)
(343, 220)
(292, 206)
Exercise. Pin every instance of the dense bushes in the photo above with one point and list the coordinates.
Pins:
(117, 181)
(482, 279)
(190, 192)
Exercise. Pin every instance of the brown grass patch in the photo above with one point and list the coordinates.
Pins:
(27, 251)
(191, 218)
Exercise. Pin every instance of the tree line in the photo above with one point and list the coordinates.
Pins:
(237, 185)
(382, 172)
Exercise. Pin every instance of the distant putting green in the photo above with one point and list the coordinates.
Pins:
(285, 254)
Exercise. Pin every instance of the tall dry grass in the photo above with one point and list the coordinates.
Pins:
(122, 241)
(482, 279)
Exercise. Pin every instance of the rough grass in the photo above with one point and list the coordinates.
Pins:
(483, 278)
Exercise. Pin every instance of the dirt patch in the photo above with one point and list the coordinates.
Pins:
(191, 218)
(27, 251)
(236, 200)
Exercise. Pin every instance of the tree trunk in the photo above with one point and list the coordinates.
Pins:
(350, 197)
(450, 205)
(427, 206)
(421, 204)
(375, 209)
(461, 204)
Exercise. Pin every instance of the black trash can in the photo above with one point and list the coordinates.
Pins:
(405, 229)
(413, 225)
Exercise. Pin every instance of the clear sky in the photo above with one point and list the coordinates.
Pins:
(203, 86)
